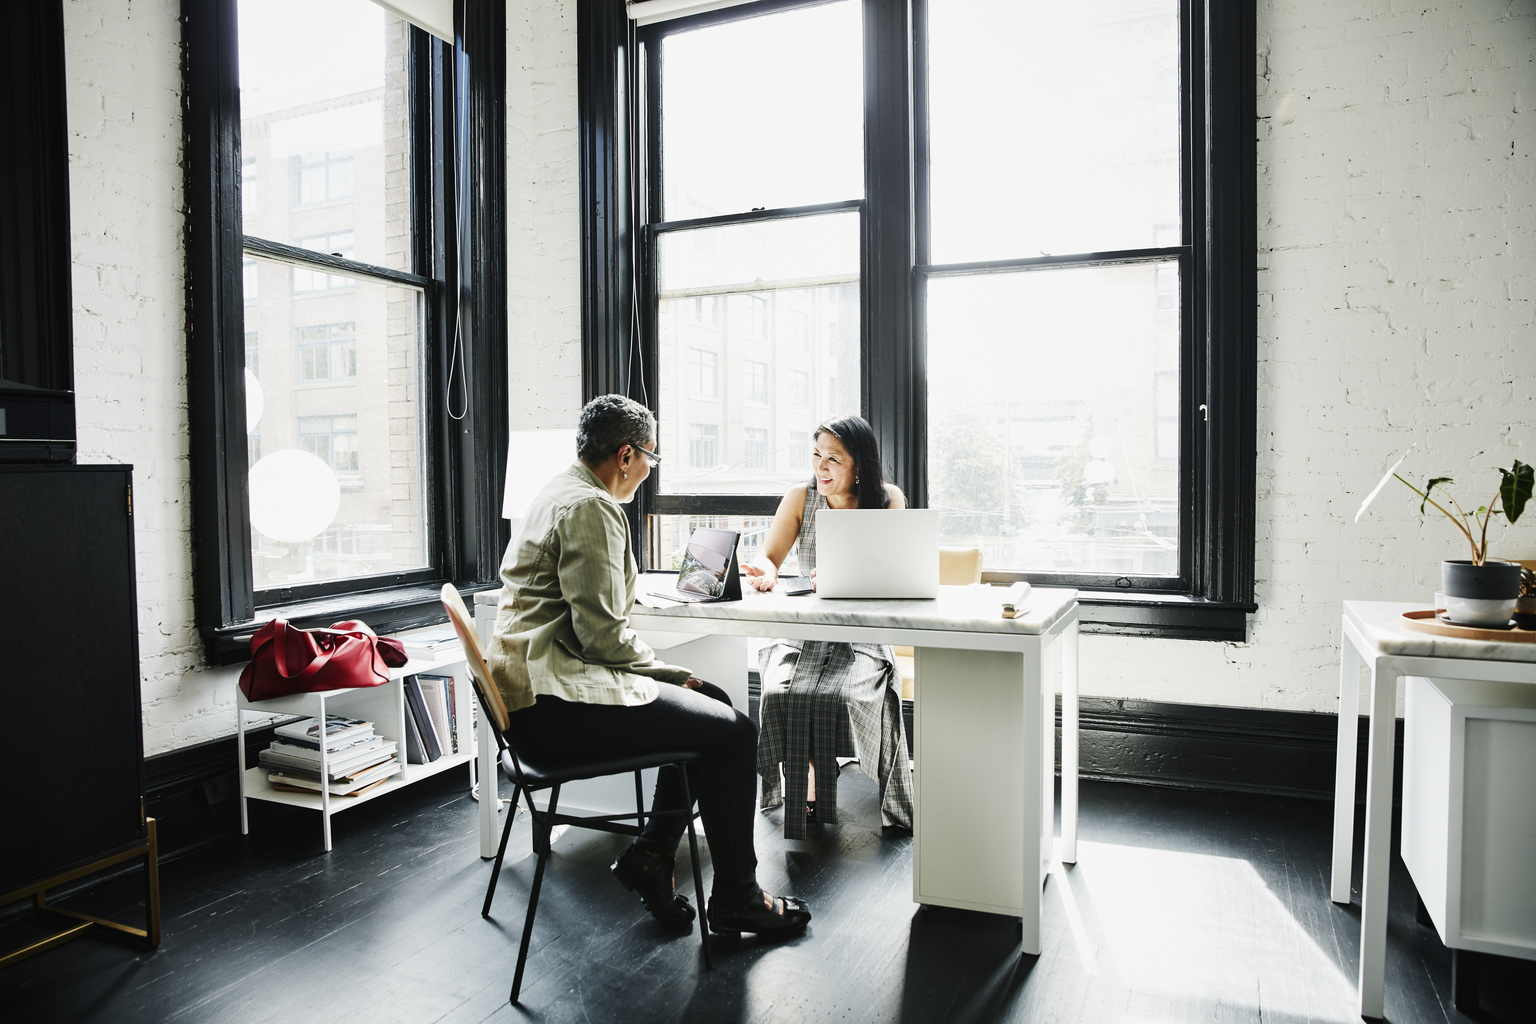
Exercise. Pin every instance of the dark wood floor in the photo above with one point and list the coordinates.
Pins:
(1183, 907)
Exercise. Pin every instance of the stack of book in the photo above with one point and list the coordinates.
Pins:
(356, 759)
(431, 643)
(431, 718)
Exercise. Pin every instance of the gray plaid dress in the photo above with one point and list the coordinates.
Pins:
(822, 700)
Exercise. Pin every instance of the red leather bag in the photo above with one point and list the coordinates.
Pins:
(286, 660)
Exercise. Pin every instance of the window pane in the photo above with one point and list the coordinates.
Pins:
(1053, 418)
(1076, 146)
(325, 130)
(742, 384)
(337, 376)
(764, 112)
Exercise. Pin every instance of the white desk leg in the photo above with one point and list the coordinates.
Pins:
(1069, 739)
(245, 824)
(1378, 842)
(490, 785)
(977, 842)
(1344, 768)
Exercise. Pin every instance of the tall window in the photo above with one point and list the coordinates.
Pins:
(756, 213)
(1072, 197)
(328, 111)
(1020, 242)
(322, 150)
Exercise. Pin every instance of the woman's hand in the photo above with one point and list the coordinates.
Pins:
(813, 579)
(759, 578)
(693, 683)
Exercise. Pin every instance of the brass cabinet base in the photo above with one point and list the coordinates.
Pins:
(149, 850)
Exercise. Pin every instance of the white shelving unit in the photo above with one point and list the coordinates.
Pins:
(384, 706)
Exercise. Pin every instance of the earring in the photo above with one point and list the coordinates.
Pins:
(626, 476)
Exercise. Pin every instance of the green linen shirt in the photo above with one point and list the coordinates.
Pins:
(568, 582)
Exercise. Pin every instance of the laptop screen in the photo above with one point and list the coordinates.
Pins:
(705, 561)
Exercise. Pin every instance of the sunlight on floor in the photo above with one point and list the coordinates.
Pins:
(1194, 928)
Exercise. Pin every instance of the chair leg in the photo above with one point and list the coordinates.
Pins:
(698, 875)
(541, 843)
(533, 906)
(501, 852)
(639, 803)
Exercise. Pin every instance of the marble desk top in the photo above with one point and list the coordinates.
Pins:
(955, 610)
(1380, 621)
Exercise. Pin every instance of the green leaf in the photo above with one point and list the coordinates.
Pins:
(1515, 491)
(1429, 487)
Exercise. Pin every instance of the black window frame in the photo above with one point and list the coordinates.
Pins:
(457, 106)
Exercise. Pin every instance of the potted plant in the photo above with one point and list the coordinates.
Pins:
(1478, 592)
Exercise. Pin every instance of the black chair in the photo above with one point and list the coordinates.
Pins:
(529, 778)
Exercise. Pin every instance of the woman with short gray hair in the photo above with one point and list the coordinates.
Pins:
(588, 685)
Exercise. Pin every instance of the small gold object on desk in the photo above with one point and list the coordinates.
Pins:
(1428, 622)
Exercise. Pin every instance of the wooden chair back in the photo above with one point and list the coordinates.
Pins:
(474, 657)
(959, 567)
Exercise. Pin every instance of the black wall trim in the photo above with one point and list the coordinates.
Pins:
(1231, 750)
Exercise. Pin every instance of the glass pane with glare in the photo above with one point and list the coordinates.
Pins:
(1053, 418)
(1054, 128)
(334, 427)
(763, 112)
(758, 342)
(325, 128)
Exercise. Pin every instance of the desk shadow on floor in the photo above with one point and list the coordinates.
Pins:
(962, 966)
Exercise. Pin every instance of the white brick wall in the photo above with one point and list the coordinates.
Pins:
(124, 94)
(1398, 276)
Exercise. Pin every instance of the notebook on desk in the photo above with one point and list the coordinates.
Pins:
(877, 553)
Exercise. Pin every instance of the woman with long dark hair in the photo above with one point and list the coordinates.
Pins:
(822, 700)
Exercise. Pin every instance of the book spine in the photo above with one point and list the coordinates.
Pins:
(429, 744)
(453, 712)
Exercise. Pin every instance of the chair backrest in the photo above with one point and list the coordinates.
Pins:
(474, 656)
(959, 567)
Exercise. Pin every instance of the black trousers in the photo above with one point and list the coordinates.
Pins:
(723, 780)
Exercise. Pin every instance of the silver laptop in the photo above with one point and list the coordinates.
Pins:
(875, 553)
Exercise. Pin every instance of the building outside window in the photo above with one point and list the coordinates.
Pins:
(703, 445)
(703, 373)
(252, 353)
(332, 440)
(327, 352)
(799, 389)
(797, 454)
(706, 310)
(756, 382)
(248, 279)
(322, 177)
(756, 448)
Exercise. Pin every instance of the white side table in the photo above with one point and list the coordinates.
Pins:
(384, 706)
(1372, 637)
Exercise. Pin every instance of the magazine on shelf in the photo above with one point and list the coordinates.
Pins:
(434, 690)
(416, 708)
(311, 755)
(338, 766)
(339, 732)
(431, 642)
(342, 787)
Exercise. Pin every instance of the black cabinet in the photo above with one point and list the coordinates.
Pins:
(72, 749)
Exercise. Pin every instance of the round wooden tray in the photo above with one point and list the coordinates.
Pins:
(1426, 622)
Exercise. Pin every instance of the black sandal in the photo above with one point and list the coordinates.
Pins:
(759, 919)
(810, 810)
(650, 874)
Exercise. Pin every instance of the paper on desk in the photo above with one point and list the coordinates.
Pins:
(657, 600)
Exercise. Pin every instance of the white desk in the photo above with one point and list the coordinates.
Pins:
(985, 723)
(1372, 635)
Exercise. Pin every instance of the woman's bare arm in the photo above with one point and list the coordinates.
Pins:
(763, 571)
(898, 500)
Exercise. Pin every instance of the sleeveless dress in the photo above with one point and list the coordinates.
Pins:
(822, 700)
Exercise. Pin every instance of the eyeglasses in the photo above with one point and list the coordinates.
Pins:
(650, 456)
